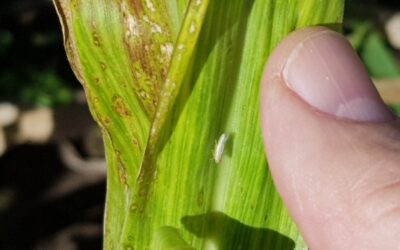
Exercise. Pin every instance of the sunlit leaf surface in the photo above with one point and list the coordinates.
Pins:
(164, 80)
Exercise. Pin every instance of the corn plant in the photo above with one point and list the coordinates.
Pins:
(174, 86)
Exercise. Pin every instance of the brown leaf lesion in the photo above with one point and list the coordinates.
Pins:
(148, 41)
(120, 107)
(137, 7)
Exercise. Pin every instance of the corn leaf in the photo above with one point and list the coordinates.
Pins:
(378, 58)
(164, 80)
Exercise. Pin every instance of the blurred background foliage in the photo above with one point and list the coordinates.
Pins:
(373, 28)
(33, 69)
(46, 200)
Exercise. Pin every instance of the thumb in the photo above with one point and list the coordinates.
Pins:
(332, 144)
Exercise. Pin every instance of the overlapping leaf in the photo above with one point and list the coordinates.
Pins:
(164, 80)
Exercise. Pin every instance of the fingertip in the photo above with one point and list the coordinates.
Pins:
(320, 138)
(320, 66)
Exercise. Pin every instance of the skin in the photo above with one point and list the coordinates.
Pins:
(339, 178)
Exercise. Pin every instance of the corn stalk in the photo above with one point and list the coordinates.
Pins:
(164, 80)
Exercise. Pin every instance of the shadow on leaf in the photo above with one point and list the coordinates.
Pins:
(228, 233)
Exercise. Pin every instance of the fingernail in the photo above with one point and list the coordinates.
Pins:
(326, 72)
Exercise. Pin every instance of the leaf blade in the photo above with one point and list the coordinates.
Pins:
(227, 205)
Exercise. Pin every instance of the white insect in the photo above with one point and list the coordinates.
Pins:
(220, 147)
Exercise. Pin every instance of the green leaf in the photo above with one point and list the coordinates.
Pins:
(378, 58)
(168, 238)
(164, 80)
(396, 109)
(360, 32)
